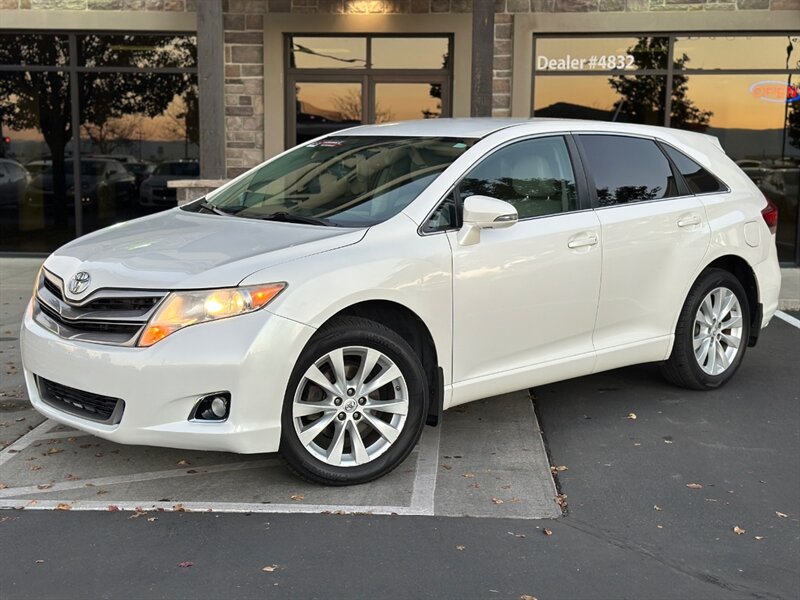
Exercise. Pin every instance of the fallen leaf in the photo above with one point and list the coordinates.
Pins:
(298, 497)
(54, 450)
(561, 500)
(270, 568)
(694, 486)
(186, 563)
(71, 477)
(631, 416)
(191, 471)
(44, 486)
(547, 531)
(3, 486)
(35, 467)
(515, 499)
(496, 500)
(101, 492)
(38, 562)
(469, 475)
(446, 466)
(183, 462)
(476, 486)
(113, 508)
(557, 468)
(516, 535)
(152, 519)
(63, 506)
(759, 537)
(505, 487)
(527, 597)
(179, 508)
(738, 530)
(460, 548)
(781, 515)
(656, 507)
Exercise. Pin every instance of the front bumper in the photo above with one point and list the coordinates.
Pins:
(251, 356)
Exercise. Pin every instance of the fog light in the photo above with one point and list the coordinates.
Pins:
(213, 407)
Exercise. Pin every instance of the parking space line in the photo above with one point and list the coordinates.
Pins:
(57, 435)
(223, 507)
(788, 318)
(423, 491)
(26, 440)
(138, 477)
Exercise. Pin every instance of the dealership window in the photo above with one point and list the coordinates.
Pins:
(97, 124)
(742, 89)
(338, 82)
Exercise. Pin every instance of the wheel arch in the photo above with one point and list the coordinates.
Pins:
(416, 332)
(741, 269)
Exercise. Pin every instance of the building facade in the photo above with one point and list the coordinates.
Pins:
(103, 102)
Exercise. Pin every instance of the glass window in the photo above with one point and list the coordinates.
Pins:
(444, 217)
(534, 175)
(601, 54)
(627, 169)
(142, 51)
(403, 101)
(34, 49)
(349, 181)
(37, 211)
(620, 98)
(328, 52)
(410, 53)
(322, 108)
(139, 131)
(699, 180)
(738, 52)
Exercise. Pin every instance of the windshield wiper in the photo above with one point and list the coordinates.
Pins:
(288, 217)
(211, 208)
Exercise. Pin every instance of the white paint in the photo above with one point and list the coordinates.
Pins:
(26, 440)
(423, 491)
(788, 318)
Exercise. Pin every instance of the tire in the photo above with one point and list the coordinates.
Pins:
(717, 357)
(325, 415)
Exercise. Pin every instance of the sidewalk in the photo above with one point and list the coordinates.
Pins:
(790, 289)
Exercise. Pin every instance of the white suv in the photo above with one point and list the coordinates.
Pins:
(331, 301)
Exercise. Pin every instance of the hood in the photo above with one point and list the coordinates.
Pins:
(183, 250)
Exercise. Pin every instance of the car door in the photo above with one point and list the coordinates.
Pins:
(525, 295)
(654, 237)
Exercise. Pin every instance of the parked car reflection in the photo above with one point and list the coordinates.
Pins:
(13, 182)
(782, 186)
(103, 183)
(154, 191)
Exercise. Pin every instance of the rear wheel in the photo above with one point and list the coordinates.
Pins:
(355, 404)
(712, 333)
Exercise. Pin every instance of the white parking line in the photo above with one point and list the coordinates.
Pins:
(788, 318)
(26, 440)
(137, 477)
(423, 490)
(223, 507)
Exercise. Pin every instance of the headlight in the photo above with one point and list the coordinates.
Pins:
(181, 309)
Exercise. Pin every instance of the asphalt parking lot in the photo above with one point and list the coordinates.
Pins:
(651, 502)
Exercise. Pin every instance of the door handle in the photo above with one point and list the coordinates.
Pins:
(689, 220)
(581, 241)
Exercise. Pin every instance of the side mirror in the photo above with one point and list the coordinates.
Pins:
(483, 212)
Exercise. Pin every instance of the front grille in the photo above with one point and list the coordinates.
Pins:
(114, 317)
(91, 406)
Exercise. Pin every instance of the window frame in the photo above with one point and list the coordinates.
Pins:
(663, 145)
(581, 181)
(367, 76)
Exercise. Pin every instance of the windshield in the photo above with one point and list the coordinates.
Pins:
(348, 181)
(178, 168)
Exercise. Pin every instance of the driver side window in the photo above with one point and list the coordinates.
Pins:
(535, 176)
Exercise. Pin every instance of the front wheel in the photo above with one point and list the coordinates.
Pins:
(712, 333)
(355, 404)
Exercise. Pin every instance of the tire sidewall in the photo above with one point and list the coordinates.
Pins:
(713, 280)
(403, 356)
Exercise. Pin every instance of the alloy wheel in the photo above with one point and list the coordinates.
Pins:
(350, 406)
(717, 334)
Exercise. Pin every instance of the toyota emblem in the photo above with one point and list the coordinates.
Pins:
(79, 282)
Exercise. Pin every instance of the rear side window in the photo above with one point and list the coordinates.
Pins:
(698, 179)
(628, 169)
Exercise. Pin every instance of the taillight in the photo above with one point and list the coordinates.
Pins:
(770, 214)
